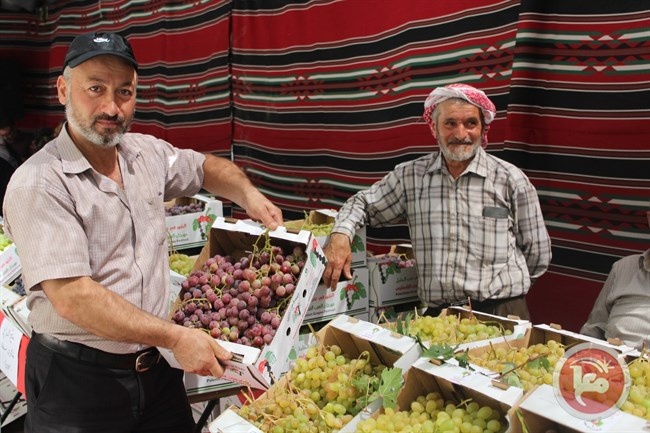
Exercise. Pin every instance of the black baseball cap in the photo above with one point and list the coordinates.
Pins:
(89, 45)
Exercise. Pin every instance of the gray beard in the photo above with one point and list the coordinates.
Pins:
(106, 141)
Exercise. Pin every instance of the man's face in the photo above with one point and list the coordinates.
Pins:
(458, 130)
(99, 99)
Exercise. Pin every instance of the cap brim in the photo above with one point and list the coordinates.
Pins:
(89, 55)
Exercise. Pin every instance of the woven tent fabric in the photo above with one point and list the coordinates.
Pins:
(578, 124)
(317, 99)
(182, 49)
(328, 95)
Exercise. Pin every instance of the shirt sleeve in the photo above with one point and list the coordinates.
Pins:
(532, 237)
(596, 323)
(379, 205)
(52, 243)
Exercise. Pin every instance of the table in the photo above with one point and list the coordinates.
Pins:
(212, 398)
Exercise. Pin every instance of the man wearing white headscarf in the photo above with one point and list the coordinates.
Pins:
(477, 230)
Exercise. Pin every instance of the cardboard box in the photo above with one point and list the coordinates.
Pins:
(10, 267)
(518, 328)
(327, 216)
(389, 283)
(260, 367)
(540, 411)
(354, 337)
(390, 313)
(424, 377)
(13, 352)
(191, 230)
(541, 334)
(350, 297)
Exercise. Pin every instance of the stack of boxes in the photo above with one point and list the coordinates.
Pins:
(513, 408)
(351, 297)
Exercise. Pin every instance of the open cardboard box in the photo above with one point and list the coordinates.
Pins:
(354, 337)
(424, 377)
(540, 412)
(327, 216)
(544, 333)
(236, 238)
(390, 284)
(191, 230)
(518, 328)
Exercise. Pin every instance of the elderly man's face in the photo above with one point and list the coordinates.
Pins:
(458, 130)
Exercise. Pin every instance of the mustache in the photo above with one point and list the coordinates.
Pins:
(456, 141)
(115, 118)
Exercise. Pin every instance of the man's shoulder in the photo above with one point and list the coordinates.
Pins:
(420, 163)
(494, 163)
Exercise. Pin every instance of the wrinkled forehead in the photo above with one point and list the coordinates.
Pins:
(458, 107)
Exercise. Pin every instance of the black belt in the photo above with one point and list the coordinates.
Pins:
(140, 361)
(476, 305)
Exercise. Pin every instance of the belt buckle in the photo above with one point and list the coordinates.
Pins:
(140, 365)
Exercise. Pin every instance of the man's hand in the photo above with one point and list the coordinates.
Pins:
(259, 208)
(199, 353)
(339, 258)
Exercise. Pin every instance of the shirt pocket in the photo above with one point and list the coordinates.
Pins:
(489, 239)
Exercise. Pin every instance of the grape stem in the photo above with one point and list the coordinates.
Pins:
(520, 365)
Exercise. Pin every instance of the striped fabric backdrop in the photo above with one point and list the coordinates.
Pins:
(317, 99)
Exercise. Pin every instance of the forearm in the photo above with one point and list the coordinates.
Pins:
(100, 311)
(225, 179)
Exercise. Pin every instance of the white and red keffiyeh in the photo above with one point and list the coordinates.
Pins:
(464, 91)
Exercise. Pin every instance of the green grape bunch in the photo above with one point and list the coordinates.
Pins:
(638, 399)
(452, 329)
(431, 414)
(524, 367)
(181, 264)
(4, 241)
(323, 391)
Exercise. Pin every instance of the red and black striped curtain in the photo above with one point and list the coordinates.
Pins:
(317, 99)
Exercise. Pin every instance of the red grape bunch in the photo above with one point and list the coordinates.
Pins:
(241, 300)
(177, 209)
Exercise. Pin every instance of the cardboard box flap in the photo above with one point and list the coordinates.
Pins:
(383, 345)
(576, 337)
(236, 238)
(241, 369)
(230, 422)
(543, 403)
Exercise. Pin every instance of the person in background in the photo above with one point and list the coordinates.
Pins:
(475, 222)
(87, 215)
(8, 160)
(622, 307)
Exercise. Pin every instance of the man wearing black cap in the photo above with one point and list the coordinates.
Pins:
(86, 213)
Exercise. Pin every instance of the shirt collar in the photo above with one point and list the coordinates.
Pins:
(477, 165)
(74, 162)
(644, 261)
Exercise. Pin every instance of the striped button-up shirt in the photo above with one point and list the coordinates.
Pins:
(622, 307)
(481, 235)
(68, 220)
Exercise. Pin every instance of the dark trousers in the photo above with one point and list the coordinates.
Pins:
(499, 307)
(66, 395)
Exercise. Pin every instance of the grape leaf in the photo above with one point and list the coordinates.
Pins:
(539, 363)
(512, 379)
(440, 351)
(463, 360)
(357, 244)
(391, 382)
